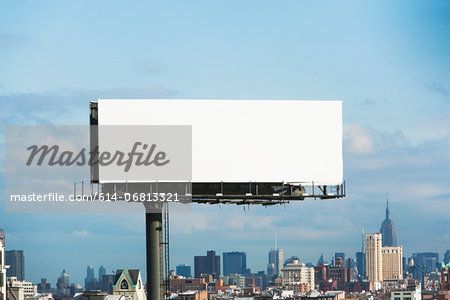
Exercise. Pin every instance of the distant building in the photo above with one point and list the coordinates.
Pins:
(320, 274)
(447, 257)
(44, 286)
(387, 230)
(63, 285)
(107, 283)
(236, 279)
(29, 289)
(184, 270)
(427, 260)
(234, 263)
(410, 293)
(16, 262)
(341, 255)
(361, 264)
(3, 267)
(275, 258)
(392, 263)
(129, 283)
(259, 279)
(374, 268)
(101, 272)
(187, 284)
(424, 263)
(445, 277)
(338, 273)
(193, 295)
(90, 283)
(321, 260)
(297, 273)
(209, 264)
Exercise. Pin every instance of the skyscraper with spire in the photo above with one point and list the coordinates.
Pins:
(275, 260)
(388, 233)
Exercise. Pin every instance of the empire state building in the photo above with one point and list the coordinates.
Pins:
(388, 233)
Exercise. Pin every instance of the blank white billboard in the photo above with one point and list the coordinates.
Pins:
(247, 140)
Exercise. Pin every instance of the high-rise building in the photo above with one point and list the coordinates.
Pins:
(184, 270)
(276, 258)
(320, 274)
(16, 261)
(374, 267)
(424, 262)
(361, 264)
(447, 257)
(107, 283)
(209, 264)
(341, 255)
(321, 260)
(297, 273)
(338, 272)
(2, 266)
(234, 263)
(89, 282)
(389, 235)
(392, 263)
(63, 285)
(101, 272)
(44, 286)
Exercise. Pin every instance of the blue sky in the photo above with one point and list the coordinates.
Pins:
(388, 61)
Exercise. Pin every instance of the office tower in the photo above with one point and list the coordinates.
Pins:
(389, 235)
(89, 282)
(276, 258)
(271, 271)
(424, 262)
(184, 270)
(392, 263)
(321, 260)
(447, 257)
(338, 272)
(43, 286)
(101, 272)
(16, 261)
(341, 255)
(234, 263)
(429, 261)
(209, 264)
(63, 285)
(2, 266)
(107, 283)
(374, 267)
(361, 264)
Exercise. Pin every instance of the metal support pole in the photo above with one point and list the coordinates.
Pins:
(153, 240)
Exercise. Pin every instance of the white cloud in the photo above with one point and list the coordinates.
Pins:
(80, 233)
(357, 140)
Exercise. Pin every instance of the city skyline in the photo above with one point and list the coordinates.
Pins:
(388, 62)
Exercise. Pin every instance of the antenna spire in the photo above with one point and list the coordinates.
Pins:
(362, 240)
(275, 241)
(387, 207)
